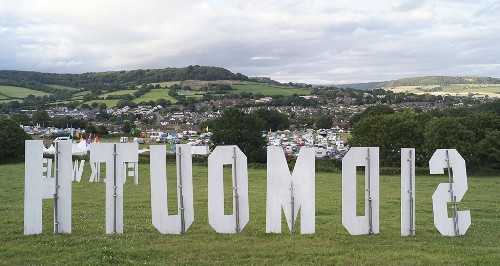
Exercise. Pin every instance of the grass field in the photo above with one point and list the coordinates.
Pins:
(492, 90)
(167, 83)
(62, 87)
(141, 243)
(267, 89)
(154, 95)
(18, 93)
(122, 92)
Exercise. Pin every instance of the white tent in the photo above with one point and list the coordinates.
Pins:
(76, 150)
(50, 150)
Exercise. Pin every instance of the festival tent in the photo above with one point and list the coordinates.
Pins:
(50, 150)
(76, 150)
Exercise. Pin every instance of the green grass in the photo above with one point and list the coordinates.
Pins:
(167, 83)
(62, 87)
(122, 92)
(18, 93)
(141, 243)
(109, 103)
(267, 89)
(154, 95)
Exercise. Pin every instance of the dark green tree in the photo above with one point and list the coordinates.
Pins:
(234, 127)
(449, 133)
(128, 127)
(40, 117)
(325, 121)
(90, 128)
(390, 133)
(371, 111)
(12, 138)
(273, 120)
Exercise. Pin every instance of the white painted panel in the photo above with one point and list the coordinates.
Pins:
(369, 158)
(38, 187)
(105, 152)
(165, 223)
(407, 191)
(227, 155)
(442, 195)
(283, 186)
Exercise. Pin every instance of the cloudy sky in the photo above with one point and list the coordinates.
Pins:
(313, 41)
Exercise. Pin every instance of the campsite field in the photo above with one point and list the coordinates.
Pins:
(141, 243)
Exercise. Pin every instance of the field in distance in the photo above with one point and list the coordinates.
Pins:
(476, 90)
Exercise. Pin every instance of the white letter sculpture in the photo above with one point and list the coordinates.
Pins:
(78, 170)
(38, 187)
(407, 192)
(290, 191)
(449, 192)
(114, 155)
(171, 224)
(369, 223)
(234, 223)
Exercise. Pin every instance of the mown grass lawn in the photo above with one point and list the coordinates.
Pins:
(141, 243)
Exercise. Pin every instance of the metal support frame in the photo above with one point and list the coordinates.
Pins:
(114, 188)
(292, 203)
(56, 191)
(453, 198)
(181, 196)
(368, 189)
(235, 191)
(410, 192)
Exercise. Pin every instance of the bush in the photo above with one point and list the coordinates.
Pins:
(12, 138)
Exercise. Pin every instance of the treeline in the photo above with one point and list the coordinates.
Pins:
(473, 132)
(113, 80)
(441, 80)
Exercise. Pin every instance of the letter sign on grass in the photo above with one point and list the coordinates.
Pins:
(449, 192)
(369, 223)
(165, 223)
(232, 223)
(292, 192)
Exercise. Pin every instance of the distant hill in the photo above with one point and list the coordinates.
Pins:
(362, 86)
(421, 81)
(440, 80)
(113, 80)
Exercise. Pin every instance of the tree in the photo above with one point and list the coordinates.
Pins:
(40, 117)
(449, 133)
(90, 129)
(390, 133)
(325, 121)
(127, 127)
(371, 111)
(12, 138)
(102, 130)
(273, 120)
(234, 127)
(488, 151)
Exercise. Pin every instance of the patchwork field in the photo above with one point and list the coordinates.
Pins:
(141, 243)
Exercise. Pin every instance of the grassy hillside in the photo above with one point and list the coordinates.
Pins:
(267, 89)
(18, 93)
(141, 243)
